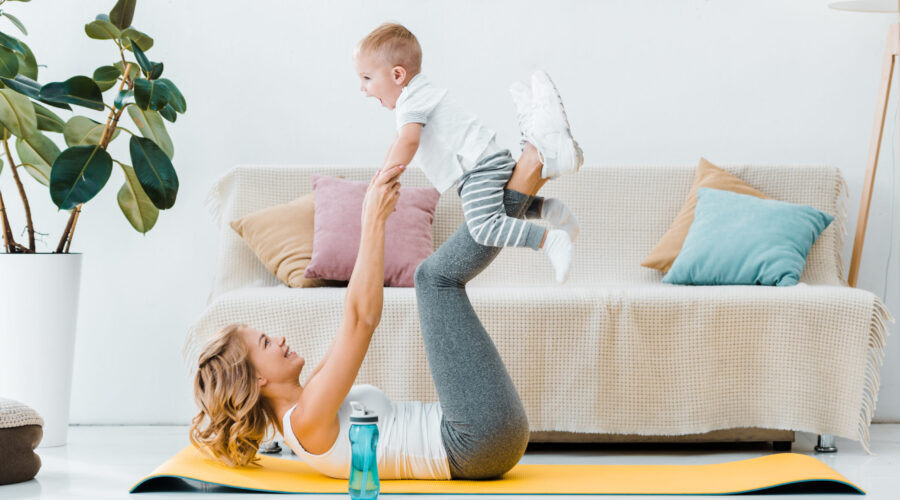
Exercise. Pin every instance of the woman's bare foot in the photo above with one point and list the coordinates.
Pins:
(526, 177)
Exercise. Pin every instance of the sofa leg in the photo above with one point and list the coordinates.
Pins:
(826, 444)
(781, 445)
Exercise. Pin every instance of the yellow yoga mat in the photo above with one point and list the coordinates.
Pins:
(293, 476)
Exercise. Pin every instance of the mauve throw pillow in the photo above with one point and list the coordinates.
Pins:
(337, 231)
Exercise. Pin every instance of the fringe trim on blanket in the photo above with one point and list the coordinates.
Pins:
(214, 198)
(190, 351)
(213, 205)
(840, 205)
(878, 333)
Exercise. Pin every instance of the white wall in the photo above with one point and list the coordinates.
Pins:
(645, 81)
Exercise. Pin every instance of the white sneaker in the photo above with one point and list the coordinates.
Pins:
(521, 95)
(551, 135)
(543, 122)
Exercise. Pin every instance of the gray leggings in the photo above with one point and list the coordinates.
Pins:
(484, 428)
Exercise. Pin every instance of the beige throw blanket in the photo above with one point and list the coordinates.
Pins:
(614, 350)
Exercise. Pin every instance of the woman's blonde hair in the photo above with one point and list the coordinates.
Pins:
(395, 45)
(234, 416)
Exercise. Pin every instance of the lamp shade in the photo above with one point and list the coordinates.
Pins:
(867, 5)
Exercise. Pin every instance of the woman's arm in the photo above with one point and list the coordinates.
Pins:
(325, 392)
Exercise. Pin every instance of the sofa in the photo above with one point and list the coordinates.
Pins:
(614, 354)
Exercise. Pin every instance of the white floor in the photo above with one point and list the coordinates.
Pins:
(105, 461)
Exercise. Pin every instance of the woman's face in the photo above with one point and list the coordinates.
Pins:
(273, 359)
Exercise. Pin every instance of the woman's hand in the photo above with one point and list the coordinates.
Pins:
(382, 194)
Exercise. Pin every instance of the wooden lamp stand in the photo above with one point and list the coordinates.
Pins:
(892, 51)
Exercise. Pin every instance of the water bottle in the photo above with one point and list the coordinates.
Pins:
(364, 484)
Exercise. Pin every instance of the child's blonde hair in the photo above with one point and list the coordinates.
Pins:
(393, 44)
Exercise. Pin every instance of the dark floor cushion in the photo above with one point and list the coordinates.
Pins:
(21, 429)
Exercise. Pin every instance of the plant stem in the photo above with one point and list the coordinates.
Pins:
(7, 234)
(28, 222)
(65, 235)
(114, 115)
(66, 240)
(72, 232)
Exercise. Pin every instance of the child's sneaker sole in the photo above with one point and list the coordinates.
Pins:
(540, 80)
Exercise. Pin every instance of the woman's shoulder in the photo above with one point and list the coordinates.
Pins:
(306, 422)
(315, 436)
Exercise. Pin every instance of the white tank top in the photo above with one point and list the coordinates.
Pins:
(409, 438)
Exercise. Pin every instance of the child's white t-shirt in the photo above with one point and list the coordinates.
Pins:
(452, 139)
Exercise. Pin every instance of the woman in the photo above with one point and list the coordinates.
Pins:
(247, 380)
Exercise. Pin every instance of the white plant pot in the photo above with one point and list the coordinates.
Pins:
(38, 314)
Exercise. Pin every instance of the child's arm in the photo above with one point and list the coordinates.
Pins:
(404, 147)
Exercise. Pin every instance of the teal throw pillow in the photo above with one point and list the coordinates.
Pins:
(738, 239)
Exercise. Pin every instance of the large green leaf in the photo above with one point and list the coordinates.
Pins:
(11, 43)
(146, 65)
(134, 71)
(38, 153)
(135, 203)
(17, 113)
(78, 90)
(175, 98)
(143, 40)
(15, 20)
(152, 127)
(27, 63)
(9, 63)
(81, 130)
(99, 29)
(78, 174)
(150, 94)
(24, 85)
(154, 171)
(122, 13)
(47, 120)
(106, 77)
(39, 174)
(168, 113)
(156, 69)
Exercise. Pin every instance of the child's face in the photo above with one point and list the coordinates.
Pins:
(380, 80)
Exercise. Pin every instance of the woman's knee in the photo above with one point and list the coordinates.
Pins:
(494, 458)
(495, 450)
(428, 273)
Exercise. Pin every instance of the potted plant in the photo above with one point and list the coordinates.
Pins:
(39, 290)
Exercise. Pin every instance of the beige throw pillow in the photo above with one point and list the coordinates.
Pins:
(282, 238)
(707, 175)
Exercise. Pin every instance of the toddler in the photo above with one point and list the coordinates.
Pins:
(451, 145)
